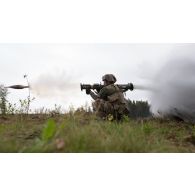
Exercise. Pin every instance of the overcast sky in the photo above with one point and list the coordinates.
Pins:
(68, 65)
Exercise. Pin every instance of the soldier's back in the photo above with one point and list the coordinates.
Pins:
(109, 90)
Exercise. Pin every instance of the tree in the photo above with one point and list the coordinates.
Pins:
(3, 99)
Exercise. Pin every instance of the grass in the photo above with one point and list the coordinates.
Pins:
(83, 132)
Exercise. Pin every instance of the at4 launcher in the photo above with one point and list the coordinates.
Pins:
(98, 87)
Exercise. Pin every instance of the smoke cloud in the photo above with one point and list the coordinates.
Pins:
(54, 85)
(173, 89)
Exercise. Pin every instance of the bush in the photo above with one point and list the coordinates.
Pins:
(3, 99)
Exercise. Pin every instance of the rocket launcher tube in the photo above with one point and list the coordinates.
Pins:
(98, 87)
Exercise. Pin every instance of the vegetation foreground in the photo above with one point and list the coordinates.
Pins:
(82, 132)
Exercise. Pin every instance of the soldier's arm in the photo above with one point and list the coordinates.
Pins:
(103, 93)
(94, 95)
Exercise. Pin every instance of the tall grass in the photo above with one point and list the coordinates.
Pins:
(80, 131)
(83, 132)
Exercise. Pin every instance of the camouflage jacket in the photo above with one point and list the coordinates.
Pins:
(110, 93)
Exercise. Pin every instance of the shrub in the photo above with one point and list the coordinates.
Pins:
(3, 99)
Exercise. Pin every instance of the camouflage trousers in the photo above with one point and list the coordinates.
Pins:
(104, 108)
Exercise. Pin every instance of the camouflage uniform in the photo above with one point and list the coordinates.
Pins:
(110, 101)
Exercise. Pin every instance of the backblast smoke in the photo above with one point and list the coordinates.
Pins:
(173, 90)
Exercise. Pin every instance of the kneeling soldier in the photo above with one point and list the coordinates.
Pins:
(110, 101)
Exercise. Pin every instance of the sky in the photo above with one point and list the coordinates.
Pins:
(55, 71)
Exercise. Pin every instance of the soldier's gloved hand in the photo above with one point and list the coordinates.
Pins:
(88, 91)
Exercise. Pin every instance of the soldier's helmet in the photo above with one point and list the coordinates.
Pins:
(109, 77)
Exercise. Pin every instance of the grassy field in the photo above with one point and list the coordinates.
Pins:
(83, 132)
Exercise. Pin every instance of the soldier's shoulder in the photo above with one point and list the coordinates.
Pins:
(108, 88)
(111, 86)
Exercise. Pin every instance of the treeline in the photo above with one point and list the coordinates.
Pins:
(139, 109)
